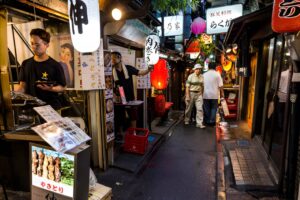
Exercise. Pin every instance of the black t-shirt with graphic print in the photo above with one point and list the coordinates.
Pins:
(49, 71)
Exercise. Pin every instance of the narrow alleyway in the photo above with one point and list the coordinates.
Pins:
(184, 167)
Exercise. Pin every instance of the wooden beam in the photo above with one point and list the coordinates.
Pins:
(4, 75)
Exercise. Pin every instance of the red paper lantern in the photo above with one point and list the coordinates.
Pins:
(194, 47)
(285, 16)
(159, 76)
(198, 26)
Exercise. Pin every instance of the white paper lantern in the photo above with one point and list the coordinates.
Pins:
(152, 49)
(84, 21)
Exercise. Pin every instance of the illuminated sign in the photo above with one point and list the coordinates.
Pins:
(286, 16)
(173, 25)
(218, 19)
(84, 21)
(52, 171)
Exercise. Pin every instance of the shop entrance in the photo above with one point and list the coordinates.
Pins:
(274, 129)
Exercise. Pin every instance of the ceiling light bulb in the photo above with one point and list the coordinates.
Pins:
(116, 13)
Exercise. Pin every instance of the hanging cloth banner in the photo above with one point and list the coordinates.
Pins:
(286, 16)
(152, 49)
(84, 21)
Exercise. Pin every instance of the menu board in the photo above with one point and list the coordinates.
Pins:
(47, 113)
(89, 67)
(110, 135)
(62, 134)
(143, 82)
(52, 171)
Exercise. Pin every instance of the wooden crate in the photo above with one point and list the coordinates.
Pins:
(100, 192)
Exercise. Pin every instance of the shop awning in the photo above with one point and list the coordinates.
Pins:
(257, 25)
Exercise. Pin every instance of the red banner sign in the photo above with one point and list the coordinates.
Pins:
(286, 16)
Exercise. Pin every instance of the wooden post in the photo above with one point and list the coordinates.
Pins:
(4, 75)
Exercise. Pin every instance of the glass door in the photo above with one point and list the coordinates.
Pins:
(271, 102)
(275, 118)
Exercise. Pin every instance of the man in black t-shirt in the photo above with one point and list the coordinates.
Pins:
(122, 75)
(41, 75)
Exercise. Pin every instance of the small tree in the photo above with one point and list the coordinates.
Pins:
(174, 6)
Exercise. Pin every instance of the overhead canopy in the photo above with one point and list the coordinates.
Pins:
(130, 32)
(256, 24)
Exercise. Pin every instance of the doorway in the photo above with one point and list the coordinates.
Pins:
(251, 90)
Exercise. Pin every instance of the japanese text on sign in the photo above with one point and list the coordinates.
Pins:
(152, 49)
(173, 25)
(218, 19)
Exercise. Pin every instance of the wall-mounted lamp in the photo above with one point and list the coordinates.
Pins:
(116, 14)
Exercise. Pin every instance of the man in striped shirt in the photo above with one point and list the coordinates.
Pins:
(193, 96)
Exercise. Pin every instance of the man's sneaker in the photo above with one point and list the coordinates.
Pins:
(186, 123)
(200, 126)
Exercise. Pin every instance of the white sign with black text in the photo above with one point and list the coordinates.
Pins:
(84, 21)
(173, 25)
(218, 19)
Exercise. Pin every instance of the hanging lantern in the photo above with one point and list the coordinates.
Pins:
(159, 75)
(194, 47)
(226, 64)
(152, 49)
(198, 26)
(84, 21)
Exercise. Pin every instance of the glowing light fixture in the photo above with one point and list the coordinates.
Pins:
(84, 21)
(116, 14)
(152, 49)
(228, 50)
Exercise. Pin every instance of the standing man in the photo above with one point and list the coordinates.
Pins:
(41, 76)
(213, 87)
(122, 75)
(194, 91)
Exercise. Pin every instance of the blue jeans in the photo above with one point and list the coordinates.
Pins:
(210, 107)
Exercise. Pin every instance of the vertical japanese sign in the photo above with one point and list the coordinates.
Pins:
(109, 119)
(218, 19)
(152, 50)
(89, 68)
(52, 171)
(286, 16)
(173, 25)
(84, 21)
(143, 82)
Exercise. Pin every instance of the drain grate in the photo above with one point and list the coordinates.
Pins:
(248, 168)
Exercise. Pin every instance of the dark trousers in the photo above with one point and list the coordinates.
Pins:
(210, 107)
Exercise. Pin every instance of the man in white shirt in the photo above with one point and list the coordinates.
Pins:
(194, 91)
(213, 87)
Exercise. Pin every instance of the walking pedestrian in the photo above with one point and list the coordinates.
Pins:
(193, 96)
(213, 88)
